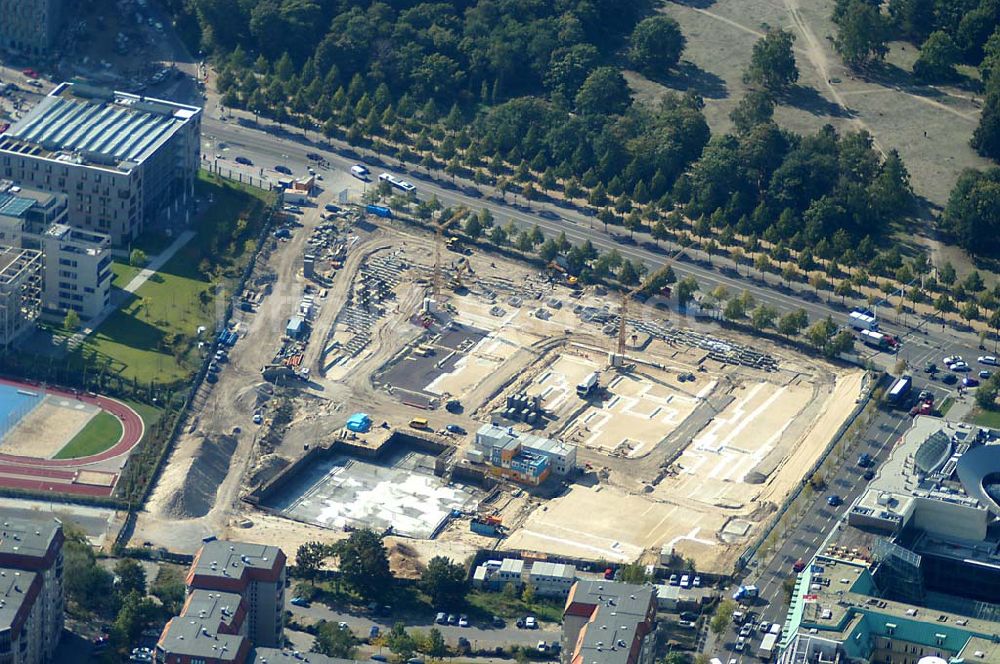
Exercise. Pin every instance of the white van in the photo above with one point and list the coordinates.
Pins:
(360, 172)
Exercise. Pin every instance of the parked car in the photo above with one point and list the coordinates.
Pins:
(258, 418)
(865, 460)
(454, 428)
(988, 359)
(952, 359)
(834, 500)
(463, 621)
(960, 366)
(697, 582)
(869, 474)
(343, 625)
(542, 646)
(530, 622)
(949, 379)
(313, 156)
(299, 601)
(968, 381)
(211, 378)
(442, 618)
(746, 630)
(984, 374)
(244, 161)
(499, 622)
(283, 169)
(373, 632)
(452, 619)
(674, 580)
(741, 644)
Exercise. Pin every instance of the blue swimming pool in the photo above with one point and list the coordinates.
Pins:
(15, 403)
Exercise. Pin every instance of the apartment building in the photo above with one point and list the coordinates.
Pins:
(253, 571)
(552, 579)
(31, 590)
(20, 293)
(605, 622)
(547, 579)
(30, 27)
(120, 158)
(211, 629)
(76, 267)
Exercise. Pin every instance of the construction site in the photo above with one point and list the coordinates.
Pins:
(394, 378)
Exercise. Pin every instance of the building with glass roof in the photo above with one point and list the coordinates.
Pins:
(120, 158)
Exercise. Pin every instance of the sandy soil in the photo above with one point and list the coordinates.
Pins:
(587, 523)
(47, 428)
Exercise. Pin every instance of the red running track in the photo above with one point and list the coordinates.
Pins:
(22, 472)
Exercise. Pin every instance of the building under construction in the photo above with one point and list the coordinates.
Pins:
(20, 292)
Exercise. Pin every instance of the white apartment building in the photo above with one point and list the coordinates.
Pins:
(120, 158)
(32, 601)
(76, 263)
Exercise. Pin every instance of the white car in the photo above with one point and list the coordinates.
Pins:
(741, 644)
(959, 366)
(988, 359)
(952, 359)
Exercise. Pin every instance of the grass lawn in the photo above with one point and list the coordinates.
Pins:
(101, 432)
(495, 604)
(946, 405)
(986, 418)
(153, 336)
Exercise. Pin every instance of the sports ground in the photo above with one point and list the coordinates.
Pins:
(57, 441)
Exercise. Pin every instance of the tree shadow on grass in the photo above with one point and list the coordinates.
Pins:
(695, 4)
(689, 77)
(810, 100)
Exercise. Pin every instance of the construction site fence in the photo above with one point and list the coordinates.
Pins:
(862, 405)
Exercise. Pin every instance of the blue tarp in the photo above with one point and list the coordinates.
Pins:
(359, 422)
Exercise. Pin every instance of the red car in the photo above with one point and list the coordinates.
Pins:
(30, 73)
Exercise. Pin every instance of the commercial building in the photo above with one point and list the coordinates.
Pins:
(253, 571)
(31, 590)
(524, 457)
(77, 263)
(917, 573)
(30, 27)
(839, 614)
(120, 158)
(609, 623)
(547, 579)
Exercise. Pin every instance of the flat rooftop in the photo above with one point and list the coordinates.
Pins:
(836, 597)
(28, 537)
(85, 125)
(14, 586)
(224, 559)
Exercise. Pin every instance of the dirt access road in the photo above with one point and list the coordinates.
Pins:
(197, 491)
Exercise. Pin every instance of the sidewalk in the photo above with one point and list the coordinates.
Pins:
(132, 286)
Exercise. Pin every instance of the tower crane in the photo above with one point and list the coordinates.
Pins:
(653, 281)
(443, 224)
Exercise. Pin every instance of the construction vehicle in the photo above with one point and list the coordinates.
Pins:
(656, 282)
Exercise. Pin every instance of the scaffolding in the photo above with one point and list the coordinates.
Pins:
(20, 293)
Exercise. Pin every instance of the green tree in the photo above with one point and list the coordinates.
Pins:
(862, 33)
(333, 641)
(71, 321)
(401, 643)
(443, 581)
(793, 322)
(309, 559)
(473, 227)
(656, 44)
(605, 92)
(528, 594)
(972, 214)
(723, 617)
(685, 290)
(763, 316)
(755, 108)
(436, 646)
(131, 576)
(364, 564)
(938, 55)
(772, 63)
(634, 573)
(986, 394)
(137, 258)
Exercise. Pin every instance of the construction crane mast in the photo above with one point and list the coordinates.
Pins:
(652, 281)
(446, 221)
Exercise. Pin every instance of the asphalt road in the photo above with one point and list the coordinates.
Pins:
(479, 636)
(921, 340)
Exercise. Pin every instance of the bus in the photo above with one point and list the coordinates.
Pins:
(896, 396)
(396, 182)
(859, 320)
